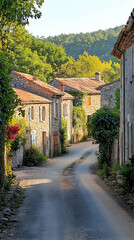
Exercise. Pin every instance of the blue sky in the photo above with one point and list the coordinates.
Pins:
(75, 16)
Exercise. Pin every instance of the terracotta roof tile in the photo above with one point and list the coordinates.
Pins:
(45, 86)
(125, 38)
(87, 85)
(28, 97)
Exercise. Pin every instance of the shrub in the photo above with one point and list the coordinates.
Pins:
(33, 157)
(127, 176)
(63, 136)
(104, 127)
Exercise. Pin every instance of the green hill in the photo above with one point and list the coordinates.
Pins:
(99, 43)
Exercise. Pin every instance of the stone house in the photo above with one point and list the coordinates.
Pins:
(108, 93)
(83, 90)
(34, 85)
(37, 112)
(124, 50)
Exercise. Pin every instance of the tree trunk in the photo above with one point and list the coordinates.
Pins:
(2, 157)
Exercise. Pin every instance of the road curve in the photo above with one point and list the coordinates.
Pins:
(69, 205)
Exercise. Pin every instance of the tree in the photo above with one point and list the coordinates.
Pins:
(15, 12)
(8, 101)
(19, 11)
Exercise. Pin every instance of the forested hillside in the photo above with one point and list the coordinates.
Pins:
(98, 43)
(47, 60)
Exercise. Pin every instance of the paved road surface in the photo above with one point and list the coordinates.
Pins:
(70, 206)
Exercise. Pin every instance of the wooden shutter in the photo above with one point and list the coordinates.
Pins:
(67, 109)
(44, 141)
(43, 113)
(30, 113)
(89, 100)
(63, 110)
(40, 113)
(55, 140)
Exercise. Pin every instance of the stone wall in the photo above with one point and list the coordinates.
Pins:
(17, 158)
(127, 107)
(55, 122)
(107, 94)
(95, 104)
(38, 126)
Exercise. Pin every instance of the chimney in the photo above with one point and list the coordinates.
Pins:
(62, 87)
(35, 78)
(98, 76)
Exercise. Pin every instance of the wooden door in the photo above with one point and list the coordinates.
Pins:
(44, 141)
(55, 140)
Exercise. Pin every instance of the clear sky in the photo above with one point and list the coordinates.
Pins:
(75, 16)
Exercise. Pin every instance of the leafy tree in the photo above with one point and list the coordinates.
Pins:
(8, 101)
(99, 43)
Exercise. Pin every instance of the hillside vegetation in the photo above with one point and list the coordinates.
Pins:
(47, 60)
(99, 43)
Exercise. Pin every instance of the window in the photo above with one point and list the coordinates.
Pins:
(65, 109)
(89, 100)
(43, 115)
(31, 112)
(33, 137)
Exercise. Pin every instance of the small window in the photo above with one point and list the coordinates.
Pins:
(43, 115)
(31, 112)
(89, 100)
(33, 137)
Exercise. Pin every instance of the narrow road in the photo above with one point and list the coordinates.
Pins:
(69, 205)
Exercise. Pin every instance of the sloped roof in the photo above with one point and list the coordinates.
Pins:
(107, 84)
(27, 97)
(46, 87)
(125, 38)
(87, 85)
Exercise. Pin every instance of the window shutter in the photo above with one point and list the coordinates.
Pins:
(64, 110)
(30, 113)
(67, 109)
(54, 108)
(40, 113)
(89, 100)
(33, 111)
(45, 113)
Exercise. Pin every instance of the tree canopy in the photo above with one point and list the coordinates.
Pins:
(99, 43)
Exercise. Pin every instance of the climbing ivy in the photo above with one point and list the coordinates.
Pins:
(79, 121)
(8, 102)
(104, 127)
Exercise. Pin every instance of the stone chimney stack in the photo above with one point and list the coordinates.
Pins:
(62, 87)
(98, 76)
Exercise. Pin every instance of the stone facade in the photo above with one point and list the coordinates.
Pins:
(89, 97)
(53, 124)
(127, 106)
(124, 50)
(108, 93)
(90, 104)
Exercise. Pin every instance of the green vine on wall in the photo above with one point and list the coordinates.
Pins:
(104, 127)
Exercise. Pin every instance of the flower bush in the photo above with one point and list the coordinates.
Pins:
(11, 132)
